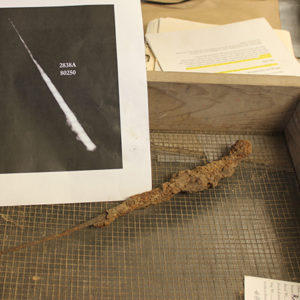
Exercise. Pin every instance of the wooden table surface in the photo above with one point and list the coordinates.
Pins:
(216, 11)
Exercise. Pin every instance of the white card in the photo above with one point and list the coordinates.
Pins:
(257, 288)
(74, 109)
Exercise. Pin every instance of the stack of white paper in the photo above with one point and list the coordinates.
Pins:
(250, 47)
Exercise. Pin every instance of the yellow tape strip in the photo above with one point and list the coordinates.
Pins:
(262, 56)
(250, 68)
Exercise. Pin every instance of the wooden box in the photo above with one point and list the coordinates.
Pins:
(227, 103)
(224, 102)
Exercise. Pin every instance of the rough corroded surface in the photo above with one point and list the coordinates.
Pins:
(195, 180)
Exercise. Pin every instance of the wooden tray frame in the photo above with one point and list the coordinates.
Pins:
(227, 103)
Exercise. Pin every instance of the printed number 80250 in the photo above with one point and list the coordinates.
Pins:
(67, 72)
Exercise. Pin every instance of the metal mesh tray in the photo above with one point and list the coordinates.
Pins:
(197, 246)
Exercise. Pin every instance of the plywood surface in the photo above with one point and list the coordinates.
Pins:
(211, 102)
(292, 133)
(215, 11)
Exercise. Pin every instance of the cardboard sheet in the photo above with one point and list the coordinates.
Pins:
(215, 11)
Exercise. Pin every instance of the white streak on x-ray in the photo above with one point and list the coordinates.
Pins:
(71, 118)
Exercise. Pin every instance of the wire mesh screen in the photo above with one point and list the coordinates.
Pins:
(196, 246)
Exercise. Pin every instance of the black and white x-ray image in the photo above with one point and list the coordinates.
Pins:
(59, 91)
